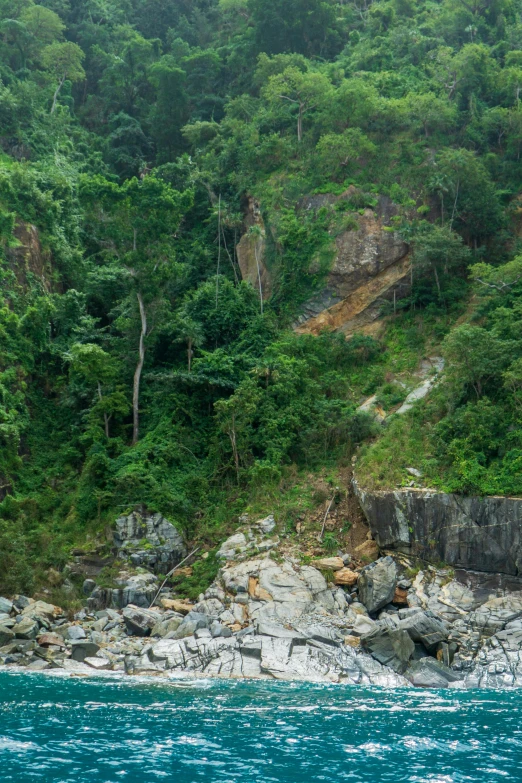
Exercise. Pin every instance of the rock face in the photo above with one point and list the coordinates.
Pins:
(150, 541)
(369, 264)
(377, 583)
(136, 589)
(27, 259)
(482, 534)
(251, 250)
(268, 615)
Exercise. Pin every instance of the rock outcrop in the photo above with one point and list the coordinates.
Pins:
(27, 259)
(370, 264)
(149, 541)
(476, 533)
(268, 615)
(251, 251)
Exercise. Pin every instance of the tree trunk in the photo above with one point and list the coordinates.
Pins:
(259, 278)
(300, 123)
(56, 93)
(189, 353)
(233, 442)
(137, 374)
(437, 279)
(105, 417)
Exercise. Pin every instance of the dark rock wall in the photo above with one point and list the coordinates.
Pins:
(481, 534)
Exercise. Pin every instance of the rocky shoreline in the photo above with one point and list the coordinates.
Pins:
(268, 615)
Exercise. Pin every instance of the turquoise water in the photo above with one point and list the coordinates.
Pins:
(105, 731)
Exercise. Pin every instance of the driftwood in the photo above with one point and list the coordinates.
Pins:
(320, 538)
(172, 571)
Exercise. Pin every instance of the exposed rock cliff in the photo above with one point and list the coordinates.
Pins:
(370, 265)
(269, 615)
(27, 259)
(370, 262)
(483, 534)
(251, 251)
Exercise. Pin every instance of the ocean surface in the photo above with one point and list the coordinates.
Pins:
(101, 730)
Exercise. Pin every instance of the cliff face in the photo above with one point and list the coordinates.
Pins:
(482, 534)
(250, 251)
(370, 265)
(27, 259)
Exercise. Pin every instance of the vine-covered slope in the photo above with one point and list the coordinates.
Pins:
(135, 365)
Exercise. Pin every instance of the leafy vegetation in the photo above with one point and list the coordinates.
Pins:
(135, 367)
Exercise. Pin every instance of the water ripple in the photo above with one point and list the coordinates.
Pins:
(101, 730)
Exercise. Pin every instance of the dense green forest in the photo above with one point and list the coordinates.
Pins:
(135, 365)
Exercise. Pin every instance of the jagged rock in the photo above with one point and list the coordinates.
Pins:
(377, 584)
(393, 648)
(329, 563)
(400, 597)
(209, 606)
(369, 263)
(176, 606)
(275, 656)
(166, 626)
(424, 627)
(368, 551)
(362, 625)
(21, 601)
(6, 635)
(165, 546)
(41, 609)
(232, 547)
(346, 577)
(136, 589)
(82, 649)
(495, 614)
(429, 673)
(277, 631)
(266, 525)
(27, 628)
(50, 640)
(88, 586)
(97, 663)
(140, 622)
(216, 629)
(192, 622)
(75, 632)
(6, 606)
(38, 665)
(477, 533)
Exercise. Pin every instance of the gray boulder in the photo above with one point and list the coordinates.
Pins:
(140, 622)
(88, 586)
(6, 635)
(21, 601)
(136, 589)
(218, 630)
(393, 648)
(82, 649)
(429, 673)
(377, 583)
(75, 632)
(266, 525)
(424, 627)
(27, 628)
(232, 547)
(191, 623)
(6, 606)
(165, 546)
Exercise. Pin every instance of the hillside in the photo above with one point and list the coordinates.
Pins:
(224, 225)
